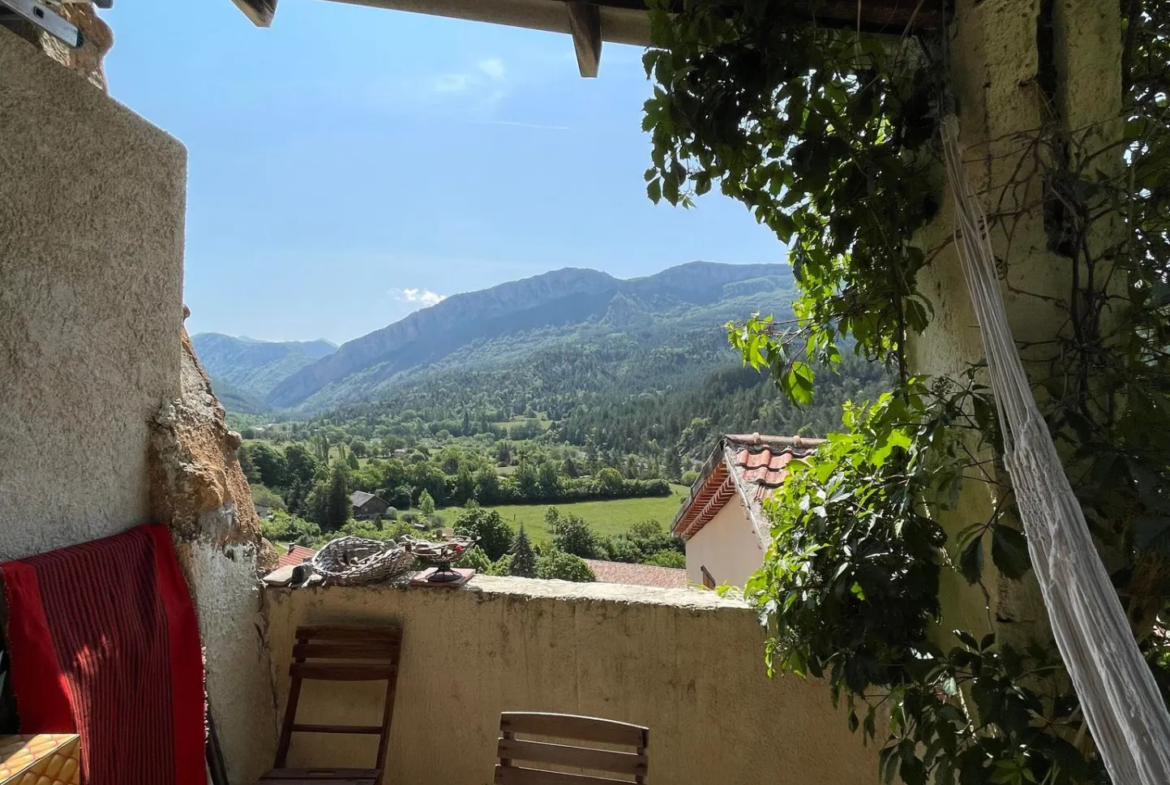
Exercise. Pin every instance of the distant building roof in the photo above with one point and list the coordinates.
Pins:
(358, 498)
(638, 574)
(297, 554)
(746, 465)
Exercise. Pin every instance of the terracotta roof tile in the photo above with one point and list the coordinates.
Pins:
(638, 574)
(759, 464)
(297, 554)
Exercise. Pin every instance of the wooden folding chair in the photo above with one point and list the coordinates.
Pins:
(587, 764)
(339, 654)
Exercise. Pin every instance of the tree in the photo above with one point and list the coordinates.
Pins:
(523, 558)
(527, 479)
(668, 559)
(609, 482)
(426, 504)
(270, 464)
(474, 558)
(558, 565)
(397, 496)
(487, 485)
(548, 480)
(300, 462)
(352, 462)
(504, 453)
(487, 528)
(571, 534)
(673, 465)
(251, 473)
(337, 505)
(464, 487)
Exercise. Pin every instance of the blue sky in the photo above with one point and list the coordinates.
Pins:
(348, 165)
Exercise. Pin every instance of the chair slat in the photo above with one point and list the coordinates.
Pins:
(346, 651)
(571, 726)
(341, 671)
(507, 775)
(629, 763)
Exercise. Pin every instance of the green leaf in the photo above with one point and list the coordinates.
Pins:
(1009, 551)
(886, 444)
(971, 560)
(654, 190)
(702, 183)
(798, 383)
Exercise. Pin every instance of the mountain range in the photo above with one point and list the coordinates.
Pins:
(506, 327)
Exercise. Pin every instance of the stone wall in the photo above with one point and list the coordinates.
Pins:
(685, 663)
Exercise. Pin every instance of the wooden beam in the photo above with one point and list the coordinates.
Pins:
(259, 11)
(585, 24)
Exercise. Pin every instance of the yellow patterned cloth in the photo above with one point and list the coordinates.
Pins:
(44, 759)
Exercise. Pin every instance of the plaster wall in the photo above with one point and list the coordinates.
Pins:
(686, 663)
(91, 266)
(997, 73)
(727, 546)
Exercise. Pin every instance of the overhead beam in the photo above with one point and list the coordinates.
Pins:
(585, 25)
(260, 12)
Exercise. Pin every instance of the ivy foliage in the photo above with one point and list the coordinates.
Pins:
(806, 127)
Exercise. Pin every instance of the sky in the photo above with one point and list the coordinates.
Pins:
(350, 165)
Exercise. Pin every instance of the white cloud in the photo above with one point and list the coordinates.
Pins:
(423, 297)
(493, 67)
(486, 78)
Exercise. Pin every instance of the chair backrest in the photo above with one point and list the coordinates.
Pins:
(523, 761)
(342, 654)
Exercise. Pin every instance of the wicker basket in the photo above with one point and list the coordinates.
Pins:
(352, 560)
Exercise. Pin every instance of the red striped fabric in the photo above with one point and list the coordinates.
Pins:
(105, 644)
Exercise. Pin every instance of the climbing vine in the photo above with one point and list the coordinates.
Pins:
(830, 137)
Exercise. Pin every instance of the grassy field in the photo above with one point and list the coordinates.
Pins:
(606, 517)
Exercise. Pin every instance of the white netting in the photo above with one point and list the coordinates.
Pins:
(1117, 692)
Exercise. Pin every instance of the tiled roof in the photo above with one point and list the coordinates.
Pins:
(638, 574)
(296, 555)
(358, 498)
(750, 464)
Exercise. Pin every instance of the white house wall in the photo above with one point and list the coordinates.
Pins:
(727, 546)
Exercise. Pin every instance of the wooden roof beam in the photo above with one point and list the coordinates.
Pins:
(585, 26)
(259, 11)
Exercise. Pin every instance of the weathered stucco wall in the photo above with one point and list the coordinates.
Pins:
(685, 663)
(998, 74)
(727, 546)
(91, 267)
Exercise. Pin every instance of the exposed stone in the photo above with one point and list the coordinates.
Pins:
(234, 440)
(196, 484)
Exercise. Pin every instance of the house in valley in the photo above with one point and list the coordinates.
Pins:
(722, 521)
(367, 505)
